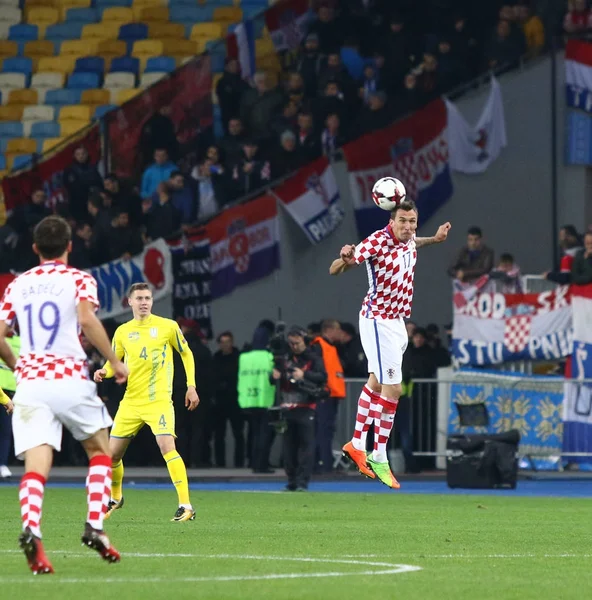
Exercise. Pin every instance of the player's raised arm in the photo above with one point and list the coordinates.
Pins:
(114, 356)
(345, 261)
(179, 343)
(440, 236)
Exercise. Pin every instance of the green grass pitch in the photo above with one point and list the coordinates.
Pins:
(309, 545)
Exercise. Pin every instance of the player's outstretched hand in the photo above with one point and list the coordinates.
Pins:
(120, 371)
(442, 232)
(191, 398)
(99, 375)
(9, 407)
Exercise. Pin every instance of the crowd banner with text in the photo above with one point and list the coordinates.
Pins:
(244, 244)
(312, 199)
(493, 328)
(192, 273)
(577, 407)
(153, 265)
(186, 97)
(413, 150)
(48, 173)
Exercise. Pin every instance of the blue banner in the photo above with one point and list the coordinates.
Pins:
(530, 404)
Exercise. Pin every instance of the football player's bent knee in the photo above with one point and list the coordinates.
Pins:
(166, 443)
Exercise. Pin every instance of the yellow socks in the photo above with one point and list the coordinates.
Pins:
(178, 474)
(116, 480)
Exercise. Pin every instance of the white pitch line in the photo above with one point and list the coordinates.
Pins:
(391, 569)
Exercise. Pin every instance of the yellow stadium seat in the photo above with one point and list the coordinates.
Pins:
(264, 46)
(11, 113)
(211, 31)
(229, 14)
(25, 96)
(163, 31)
(180, 47)
(144, 49)
(21, 146)
(34, 3)
(68, 128)
(215, 78)
(111, 48)
(145, 3)
(95, 97)
(57, 64)
(75, 112)
(151, 14)
(39, 48)
(43, 17)
(50, 143)
(79, 47)
(118, 14)
(8, 49)
(101, 31)
(125, 95)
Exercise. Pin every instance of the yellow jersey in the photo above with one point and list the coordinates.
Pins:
(146, 347)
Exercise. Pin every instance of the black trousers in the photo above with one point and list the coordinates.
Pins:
(259, 438)
(299, 446)
(326, 419)
(191, 430)
(221, 414)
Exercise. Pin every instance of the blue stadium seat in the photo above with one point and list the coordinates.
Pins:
(4, 142)
(160, 64)
(21, 160)
(2, 162)
(62, 97)
(190, 14)
(218, 63)
(90, 64)
(125, 64)
(133, 31)
(102, 110)
(45, 129)
(63, 31)
(222, 2)
(103, 4)
(82, 15)
(11, 129)
(23, 32)
(83, 81)
(18, 64)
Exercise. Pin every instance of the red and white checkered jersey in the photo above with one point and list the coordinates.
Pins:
(43, 301)
(391, 268)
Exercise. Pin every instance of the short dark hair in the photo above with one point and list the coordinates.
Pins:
(475, 231)
(405, 205)
(52, 236)
(175, 174)
(136, 287)
(349, 328)
(225, 334)
(421, 331)
(314, 328)
(506, 257)
(571, 231)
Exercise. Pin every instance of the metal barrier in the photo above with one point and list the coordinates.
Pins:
(533, 405)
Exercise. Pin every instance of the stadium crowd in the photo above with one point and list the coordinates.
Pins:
(360, 66)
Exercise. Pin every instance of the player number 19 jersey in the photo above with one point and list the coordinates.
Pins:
(43, 301)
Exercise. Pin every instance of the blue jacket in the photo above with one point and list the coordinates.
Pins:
(154, 175)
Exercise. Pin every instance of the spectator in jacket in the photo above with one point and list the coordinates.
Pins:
(231, 144)
(308, 141)
(374, 116)
(288, 158)
(351, 352)
(79, 178)
(507, 273)
(122, 240)
(181, 197)
(229, 89)
(226, 408)
(157, 173)
(310, 63)
(159, 133)
(80, 256)
(207, 201)
(504, 49)
(101, 226)
(162, 217)
(252, 171)
(332, 138)
(579, 18)
(569, 242)
(259, 105)
(581, 268)
(473, 260)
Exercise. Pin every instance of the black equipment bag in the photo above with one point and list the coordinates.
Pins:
(482, 461)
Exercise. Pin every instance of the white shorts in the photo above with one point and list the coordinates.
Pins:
(384, 342)
(42, 407)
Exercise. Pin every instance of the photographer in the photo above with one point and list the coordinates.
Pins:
(302, 378)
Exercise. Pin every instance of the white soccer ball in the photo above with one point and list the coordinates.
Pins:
(388, 192)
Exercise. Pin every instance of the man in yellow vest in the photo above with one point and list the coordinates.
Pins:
(326, 414)
(8, 384)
